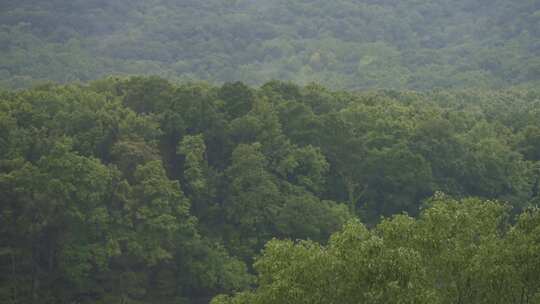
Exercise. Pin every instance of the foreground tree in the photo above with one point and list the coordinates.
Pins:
(455, 252)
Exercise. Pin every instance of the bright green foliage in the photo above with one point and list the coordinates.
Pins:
(522, 253)
(455, 252)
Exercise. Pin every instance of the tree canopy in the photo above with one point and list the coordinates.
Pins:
(350, 44)
(138, 190)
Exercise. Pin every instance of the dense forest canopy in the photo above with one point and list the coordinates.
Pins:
(354, 44)
(270, 152)
(138, 190)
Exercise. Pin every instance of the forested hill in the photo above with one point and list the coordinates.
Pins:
(137, 190)
(414, 44)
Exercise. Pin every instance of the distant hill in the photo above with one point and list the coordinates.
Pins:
(353, 44)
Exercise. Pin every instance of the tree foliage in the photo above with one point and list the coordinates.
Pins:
(343, 44)
(454, 252)
(138, 190)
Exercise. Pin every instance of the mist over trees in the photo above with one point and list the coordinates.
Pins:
(349, 44)
(269, 152)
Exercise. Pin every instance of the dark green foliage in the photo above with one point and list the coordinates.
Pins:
(137, 190)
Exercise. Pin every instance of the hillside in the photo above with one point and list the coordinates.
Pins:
(353, 44)
(269, 151)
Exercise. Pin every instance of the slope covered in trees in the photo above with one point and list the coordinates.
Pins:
(353, 44)
(137, 190)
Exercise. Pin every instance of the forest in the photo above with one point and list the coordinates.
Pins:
(342, 44)
(139, 190)
(270, 152)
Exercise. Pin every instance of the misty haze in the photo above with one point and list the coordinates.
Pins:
(269, 151)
